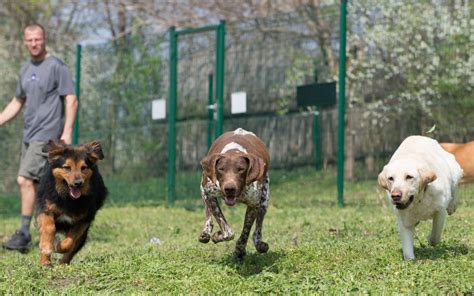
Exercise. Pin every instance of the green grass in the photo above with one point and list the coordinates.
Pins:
(315, 247)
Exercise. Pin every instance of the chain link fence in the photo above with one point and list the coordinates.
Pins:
(403, 77)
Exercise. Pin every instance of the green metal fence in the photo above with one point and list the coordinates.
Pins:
(402, 78)
(173, 95)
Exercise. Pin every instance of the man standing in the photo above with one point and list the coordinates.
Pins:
(46, 90)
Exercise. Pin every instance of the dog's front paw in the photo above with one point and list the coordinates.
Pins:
(217, 237)
(262, 247)
(45, 261)
(204, 238)
(432, 240)
(408, 256)
(220, 236)
(239, 253)
(64, 246)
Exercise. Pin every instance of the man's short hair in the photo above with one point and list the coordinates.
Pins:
(33, 26)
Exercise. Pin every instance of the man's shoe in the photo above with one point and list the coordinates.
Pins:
(19, 242)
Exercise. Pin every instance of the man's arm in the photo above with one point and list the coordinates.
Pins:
(70, 115)
(11, 110)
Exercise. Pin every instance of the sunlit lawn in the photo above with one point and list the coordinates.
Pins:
(143, 247)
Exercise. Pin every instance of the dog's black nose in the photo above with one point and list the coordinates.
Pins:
(77, 183)
(230, 190)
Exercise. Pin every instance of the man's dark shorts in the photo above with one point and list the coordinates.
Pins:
(33, 160)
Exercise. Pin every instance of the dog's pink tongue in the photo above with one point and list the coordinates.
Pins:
(74, 193)
(230, 201)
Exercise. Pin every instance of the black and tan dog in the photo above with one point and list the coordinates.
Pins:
(70, 194)
(236, 170)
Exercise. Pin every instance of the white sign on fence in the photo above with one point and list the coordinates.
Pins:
(158, 109)
(239, 102)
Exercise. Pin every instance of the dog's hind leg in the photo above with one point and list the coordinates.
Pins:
(241, 244)
(47, 230)
(208, 225)
(453, 203)
(261, 246)
(437, 229)
(79, 236)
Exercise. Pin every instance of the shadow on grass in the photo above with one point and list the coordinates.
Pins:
(253, 263)
(442, 251)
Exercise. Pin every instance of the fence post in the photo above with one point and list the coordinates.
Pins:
(342, 104)
(210, 111)
(75, 132)
(173, 93)
(220, 60)
(172, 97)
(317, 139)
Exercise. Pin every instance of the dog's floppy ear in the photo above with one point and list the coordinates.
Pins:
(256, 168)
(426, 177)
(383, 182)
(208, 164)
(94, 151)
(54, 148)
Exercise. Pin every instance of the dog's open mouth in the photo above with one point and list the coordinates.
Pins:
(74, 192)
(230, 200)
(402, 206)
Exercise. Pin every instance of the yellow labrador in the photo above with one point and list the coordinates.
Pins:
(421, 181)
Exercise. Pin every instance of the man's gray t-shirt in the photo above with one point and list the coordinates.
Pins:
(43, 85)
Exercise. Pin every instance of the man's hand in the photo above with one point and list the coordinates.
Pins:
(11, 110)
(66, 138)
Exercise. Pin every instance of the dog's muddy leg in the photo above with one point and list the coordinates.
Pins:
(226, 233)
(208, 225)
(261, 246)
(79, 236)
(47, 230)
(241, 244)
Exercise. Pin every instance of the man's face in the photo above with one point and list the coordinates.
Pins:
(34, 41)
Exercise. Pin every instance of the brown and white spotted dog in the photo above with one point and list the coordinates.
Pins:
(236, 170)
(70, 193)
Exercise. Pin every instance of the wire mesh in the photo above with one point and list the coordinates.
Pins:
(403, 77)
